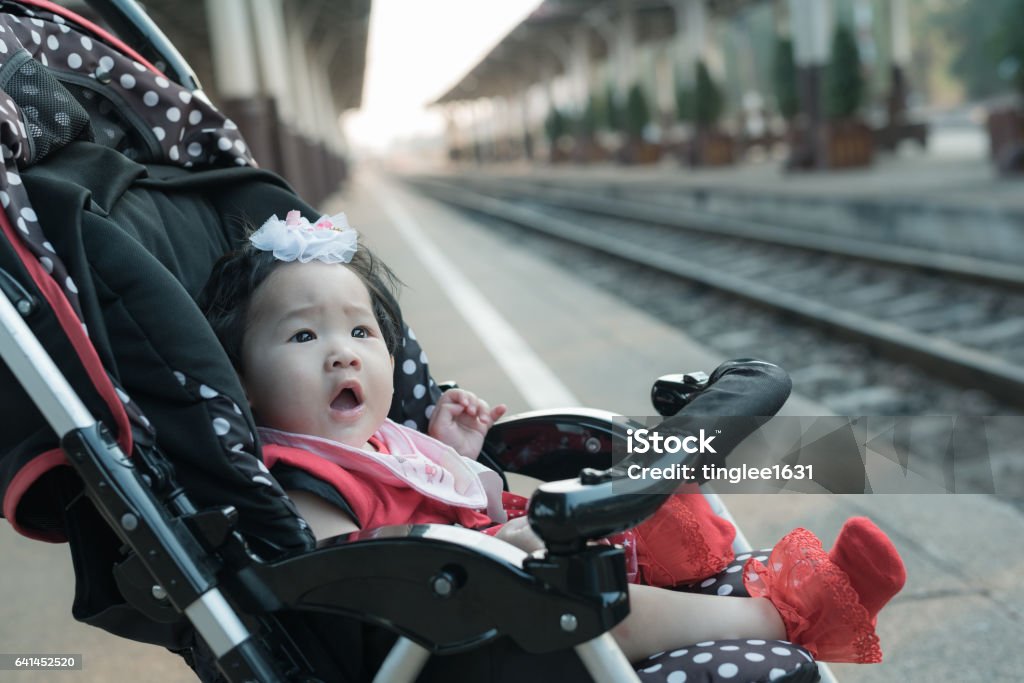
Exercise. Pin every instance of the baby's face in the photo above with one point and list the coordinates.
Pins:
(314, 357)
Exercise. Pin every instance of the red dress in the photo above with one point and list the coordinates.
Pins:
(683, 542)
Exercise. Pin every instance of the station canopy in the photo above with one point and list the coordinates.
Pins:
(538, 45)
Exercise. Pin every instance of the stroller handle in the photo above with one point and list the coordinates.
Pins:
(741, 393)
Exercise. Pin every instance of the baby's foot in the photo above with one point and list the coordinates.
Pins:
(871, 561)
(829, 602)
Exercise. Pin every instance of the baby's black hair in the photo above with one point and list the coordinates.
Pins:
(227, 295)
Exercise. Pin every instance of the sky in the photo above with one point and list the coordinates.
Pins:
(417, 50)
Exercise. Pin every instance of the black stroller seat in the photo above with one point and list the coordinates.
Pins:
(179, 534)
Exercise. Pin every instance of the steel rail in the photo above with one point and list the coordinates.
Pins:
(957, 266)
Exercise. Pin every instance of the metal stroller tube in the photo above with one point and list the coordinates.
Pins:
(129, 506)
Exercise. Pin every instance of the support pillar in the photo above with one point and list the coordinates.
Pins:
(302, 172)
(580, 68)
(527, 124)
(327, 127)
(547, 79)
(898, 126)
(502, 128)
(475, 136)
(625, 49)
(811, 26)
(899, 27)
(268, 21)
(598, 20)
(457, 115)
(693, 47)
(691, 41)
(335, 144)
(238, 78)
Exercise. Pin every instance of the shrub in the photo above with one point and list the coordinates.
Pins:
(587, 123)
(845, 82)
(684, 103)
(637, 114)
(612, 116)
(784, 75)
(708, 101)
(555, 125)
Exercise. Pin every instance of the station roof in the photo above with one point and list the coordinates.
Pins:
(532, 49)
(339, 29)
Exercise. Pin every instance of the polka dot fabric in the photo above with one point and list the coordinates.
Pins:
(175, 125)
(236, 438)
(729, 581)
(415, 391)
(730, 661)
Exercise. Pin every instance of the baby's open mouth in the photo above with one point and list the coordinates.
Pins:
(347, 399)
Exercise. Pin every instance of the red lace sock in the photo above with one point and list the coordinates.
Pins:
(871, 562)
(683, 542)
(829, 602)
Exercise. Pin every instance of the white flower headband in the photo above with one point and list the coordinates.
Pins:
(330, 239)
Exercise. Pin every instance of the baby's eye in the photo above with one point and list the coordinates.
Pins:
(361, 332)
(303, 336)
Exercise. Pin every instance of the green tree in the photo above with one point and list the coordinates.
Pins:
(844, 87)
(684, 103)
(784, 77)
(637, 114)
(587, 123)
(708, 99)
(555, 125)
(612, 119)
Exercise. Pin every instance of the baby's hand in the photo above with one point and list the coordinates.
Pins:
(461, 420)
(518, 532)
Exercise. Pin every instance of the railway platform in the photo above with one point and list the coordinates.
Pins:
(947, 197)
(954, 169)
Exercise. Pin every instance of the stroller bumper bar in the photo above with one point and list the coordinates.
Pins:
(599, 503)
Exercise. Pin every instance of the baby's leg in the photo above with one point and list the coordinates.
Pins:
(661, 619)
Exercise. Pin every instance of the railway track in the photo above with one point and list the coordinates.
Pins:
(956, 319)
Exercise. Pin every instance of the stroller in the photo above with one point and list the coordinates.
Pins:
(126, 433)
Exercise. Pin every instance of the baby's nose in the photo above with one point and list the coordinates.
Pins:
(343, 357)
